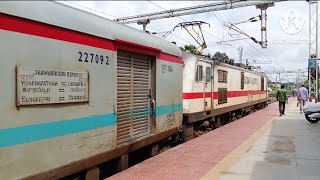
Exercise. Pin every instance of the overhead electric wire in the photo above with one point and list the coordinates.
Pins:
(223, 22)
(203, 29)
(252, 19)
(178, 16)
(216, 14)
(186, 20)
(97, 11)
(64, 1)
(251, 45)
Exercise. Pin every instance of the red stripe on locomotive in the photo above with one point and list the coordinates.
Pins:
(197, 95)
(35, 28)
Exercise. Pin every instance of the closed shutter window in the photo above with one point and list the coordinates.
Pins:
(222, 95)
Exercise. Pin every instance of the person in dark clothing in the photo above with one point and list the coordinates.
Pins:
(293, 92)
(282, 98)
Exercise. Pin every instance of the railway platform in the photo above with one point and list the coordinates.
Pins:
(259, 146)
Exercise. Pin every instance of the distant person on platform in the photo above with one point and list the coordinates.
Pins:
(282, 98)
(293, 92)
(302, 96)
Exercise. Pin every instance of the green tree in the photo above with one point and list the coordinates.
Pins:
(189, 48)
(222, 57)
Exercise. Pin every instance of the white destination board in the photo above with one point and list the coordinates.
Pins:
(43, 86)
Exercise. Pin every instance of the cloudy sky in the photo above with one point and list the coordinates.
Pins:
(287, 48)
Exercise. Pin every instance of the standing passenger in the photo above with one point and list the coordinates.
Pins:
(302, 96)
(293, 92)
(282, 98)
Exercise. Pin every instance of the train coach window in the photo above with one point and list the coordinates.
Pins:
(225, 76)
(242, 80)
(199, 73)
(222, 76)
(208, 74)
(262, 83)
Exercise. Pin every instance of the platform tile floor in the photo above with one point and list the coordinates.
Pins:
(288, 150)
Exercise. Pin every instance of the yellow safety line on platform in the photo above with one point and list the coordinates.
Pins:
(236, 154)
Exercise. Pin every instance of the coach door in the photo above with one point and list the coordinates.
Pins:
(133, 100)
(209, 85)
(204, 84)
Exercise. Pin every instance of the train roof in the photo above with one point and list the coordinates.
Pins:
(61, 15)
(185, 55)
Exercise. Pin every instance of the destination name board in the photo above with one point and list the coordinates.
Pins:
(41, 86)
(250, 80)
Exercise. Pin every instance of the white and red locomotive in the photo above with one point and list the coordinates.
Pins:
(218, 92)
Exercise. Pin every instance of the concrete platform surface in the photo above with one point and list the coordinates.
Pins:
(288, 150)
(259, 146)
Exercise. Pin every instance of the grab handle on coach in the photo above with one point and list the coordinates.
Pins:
(153, 102)
(153, 106)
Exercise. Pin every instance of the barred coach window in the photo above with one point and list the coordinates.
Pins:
(222, 76)
(199, 73)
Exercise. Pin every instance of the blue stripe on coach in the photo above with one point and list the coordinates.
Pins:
(37, 132)
(162, 110)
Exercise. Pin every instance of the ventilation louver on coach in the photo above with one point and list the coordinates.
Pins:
(133, 84)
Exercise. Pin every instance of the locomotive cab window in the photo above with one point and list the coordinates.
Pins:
(222, 76)
(199, 73)
(208, 74)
